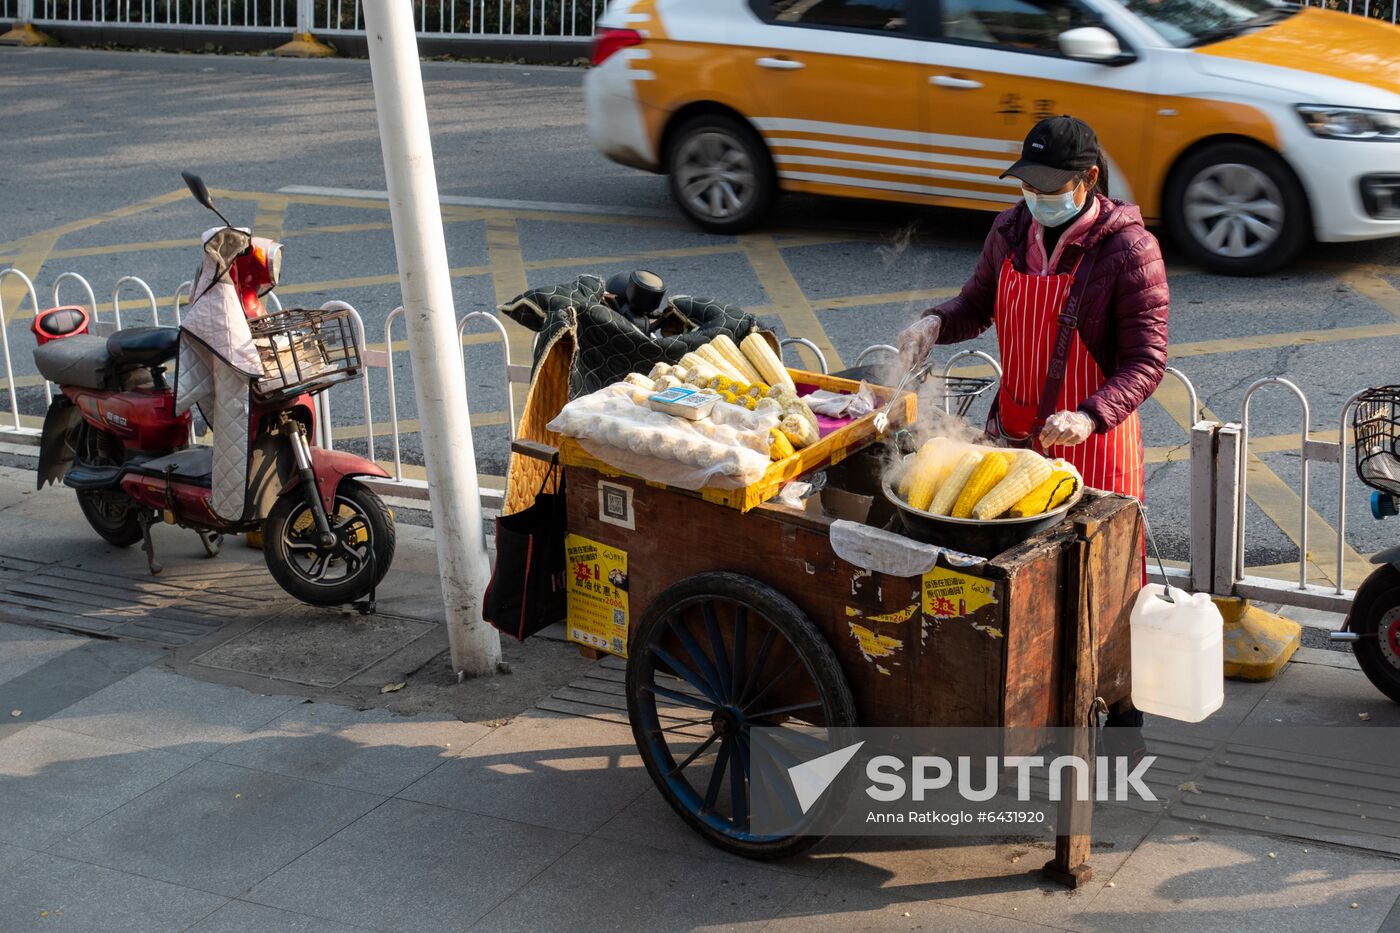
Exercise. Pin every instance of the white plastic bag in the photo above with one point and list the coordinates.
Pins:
(729, 450)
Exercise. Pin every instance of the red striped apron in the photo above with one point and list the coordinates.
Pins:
(1027, 319)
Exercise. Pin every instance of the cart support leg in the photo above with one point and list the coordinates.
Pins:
(1079, 676)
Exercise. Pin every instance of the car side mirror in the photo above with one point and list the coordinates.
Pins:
(1091, 44)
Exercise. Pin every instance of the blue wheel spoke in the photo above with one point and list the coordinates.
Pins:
(784, 710)
(793, 663)
(741, 637)
(716, 777)
(726, 679)
(695, 754)
(763, 648)
(686, 674)
(685, 699)
(738, 787)
(701, 660)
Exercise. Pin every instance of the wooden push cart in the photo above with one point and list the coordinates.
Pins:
(730, 619)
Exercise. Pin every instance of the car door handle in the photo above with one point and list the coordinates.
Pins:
(780, 64)
(960, 84)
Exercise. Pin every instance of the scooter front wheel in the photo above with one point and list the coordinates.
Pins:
(1375, 617)
(343, 572)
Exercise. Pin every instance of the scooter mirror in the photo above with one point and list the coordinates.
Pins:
(198, 189)
(201, 194)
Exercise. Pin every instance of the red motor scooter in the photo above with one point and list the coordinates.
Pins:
(114, 436)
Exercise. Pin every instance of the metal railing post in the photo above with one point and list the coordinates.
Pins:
(1202, 506)
(305, 16)
(1226, 507)
(1303, 447)
(359, 326)
(5, 337)
(1342, 464)
(505, 347)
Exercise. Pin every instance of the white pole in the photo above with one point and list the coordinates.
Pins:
(432, 331)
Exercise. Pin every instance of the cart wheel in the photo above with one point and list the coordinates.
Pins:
(1375, 616)
(713, 656)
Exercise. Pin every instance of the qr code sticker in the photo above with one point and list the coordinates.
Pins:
(618, 646)
(619, 618)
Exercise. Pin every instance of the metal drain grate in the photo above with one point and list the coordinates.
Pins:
(173, 609)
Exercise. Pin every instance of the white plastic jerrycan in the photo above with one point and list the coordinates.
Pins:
(1177, 654)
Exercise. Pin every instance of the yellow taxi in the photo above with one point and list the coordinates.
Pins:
(1246, 126)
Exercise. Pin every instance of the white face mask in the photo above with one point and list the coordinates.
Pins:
(1051, 210)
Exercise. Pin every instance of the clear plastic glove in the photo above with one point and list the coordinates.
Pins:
(918, 339)
(1066, 429)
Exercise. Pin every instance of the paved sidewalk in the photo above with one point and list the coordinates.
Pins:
(220, 785)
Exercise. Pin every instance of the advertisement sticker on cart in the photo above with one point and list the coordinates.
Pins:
(596, 578)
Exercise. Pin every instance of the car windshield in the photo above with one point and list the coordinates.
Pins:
(1199, 22)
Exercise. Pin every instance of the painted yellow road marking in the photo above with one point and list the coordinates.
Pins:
(917, 297)
(1178, 351)
(785, 295)
(508, 279)
(1367, 282)
(31, 259)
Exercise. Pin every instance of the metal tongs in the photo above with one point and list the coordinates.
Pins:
(918, 372)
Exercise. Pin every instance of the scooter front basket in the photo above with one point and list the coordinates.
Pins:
(304, 350)
(1376, 423)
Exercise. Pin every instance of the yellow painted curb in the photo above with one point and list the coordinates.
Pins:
(26, 35)
(1257, 643)
(305, 45)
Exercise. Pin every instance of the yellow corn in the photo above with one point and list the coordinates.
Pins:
(947, 494)
(728, 396)
(1028, 470)
(735, 357)
(919, 482)
(769, 366)
(989, 472)
(779, 447)
(1059, 486)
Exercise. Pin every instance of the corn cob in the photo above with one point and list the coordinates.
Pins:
(1051, 493)
(770, 368)
(698, 372)
(989, 472)
(947, 494)
(926, 449)
(798, 430)
(661, 369)
(712, 356)
(735, 357)
(640, 381)
(779, 447)
(923, 475)
(1028, 470)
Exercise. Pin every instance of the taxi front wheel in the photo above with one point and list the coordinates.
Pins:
(1236, 209)
(720, 173)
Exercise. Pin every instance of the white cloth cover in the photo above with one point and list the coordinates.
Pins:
(216, 369)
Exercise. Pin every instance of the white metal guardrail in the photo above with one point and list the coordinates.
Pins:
(435, 18)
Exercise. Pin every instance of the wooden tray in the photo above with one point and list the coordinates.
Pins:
(831, 449)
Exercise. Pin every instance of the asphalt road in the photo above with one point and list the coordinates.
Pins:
(92, 143)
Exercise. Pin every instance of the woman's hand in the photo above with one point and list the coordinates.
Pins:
(918, 339)
(1066, 429)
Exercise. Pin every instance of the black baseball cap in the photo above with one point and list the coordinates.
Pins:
(1056, 150)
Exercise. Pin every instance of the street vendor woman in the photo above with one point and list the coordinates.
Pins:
(1078, 292)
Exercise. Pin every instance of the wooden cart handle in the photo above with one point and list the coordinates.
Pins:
(535, 450)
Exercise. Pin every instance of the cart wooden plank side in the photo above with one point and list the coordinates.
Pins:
(1028, 639)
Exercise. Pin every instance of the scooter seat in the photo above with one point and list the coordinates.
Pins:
(143, 346)
(80, 360)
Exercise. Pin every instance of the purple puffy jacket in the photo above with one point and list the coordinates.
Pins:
(1122, 314)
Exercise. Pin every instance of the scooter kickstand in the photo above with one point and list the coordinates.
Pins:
(212, 541)
(146, 545)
